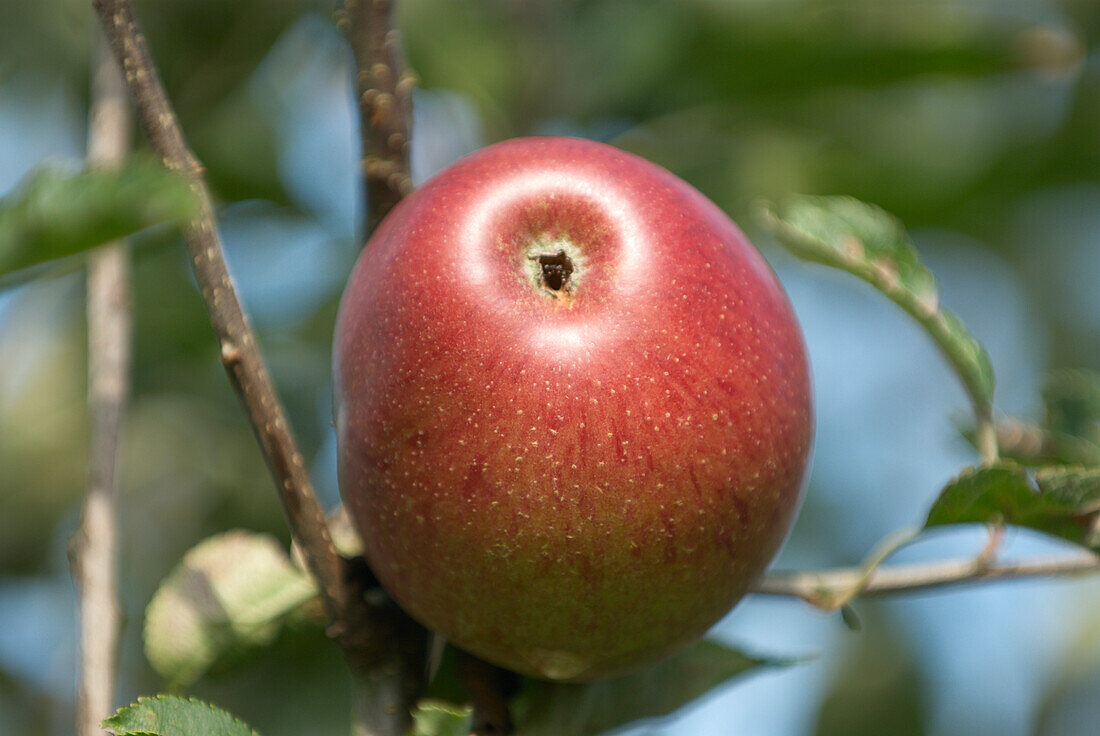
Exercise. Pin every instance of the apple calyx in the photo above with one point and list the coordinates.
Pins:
(554, 267)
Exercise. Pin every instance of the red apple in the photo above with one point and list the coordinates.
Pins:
(573, 408)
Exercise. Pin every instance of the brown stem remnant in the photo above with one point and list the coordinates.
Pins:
(94, 546)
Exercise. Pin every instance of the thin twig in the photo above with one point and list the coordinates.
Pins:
(94, 547)
(385, 103)
(819, 588)
(985, 434)
(239, 352)
(878, 555)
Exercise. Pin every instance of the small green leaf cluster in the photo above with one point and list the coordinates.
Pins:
(540, 708)
(1062, 501)
(585, 709)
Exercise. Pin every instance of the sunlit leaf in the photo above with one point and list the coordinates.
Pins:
(168, 715)
(869, 243)
(231, 592)
(56, 213)
(1061, 501)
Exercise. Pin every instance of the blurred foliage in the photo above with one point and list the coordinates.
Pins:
(1069, 431)
(971, 116)
(232, 592)
(1072, 701)
(55, 214)
(1072, 400)
(879, 690)
(558, 709)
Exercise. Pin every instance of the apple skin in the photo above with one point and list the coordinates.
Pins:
(568, 483)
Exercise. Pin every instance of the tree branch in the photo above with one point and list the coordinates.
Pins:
(380, 643)
(239, 352)
(94, 546)
(385, 103)
(385, 693)
(824, 587)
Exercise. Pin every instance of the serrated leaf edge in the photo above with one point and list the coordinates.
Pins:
(190, 700)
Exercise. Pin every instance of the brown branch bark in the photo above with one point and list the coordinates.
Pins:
(94, 547)
(822, 588)
(239, 352)
(385, 103)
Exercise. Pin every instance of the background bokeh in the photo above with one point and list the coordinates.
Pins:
(975, 121)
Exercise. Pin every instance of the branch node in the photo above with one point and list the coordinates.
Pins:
(384, 87)
(230, 354)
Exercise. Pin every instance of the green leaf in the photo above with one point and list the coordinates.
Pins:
(872, 244)
(231, 592)
(1058, 500)
(440, 718)
(56, 213)
(168, 715)
(558, 709)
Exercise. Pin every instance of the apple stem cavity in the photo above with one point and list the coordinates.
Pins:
(554, 268)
